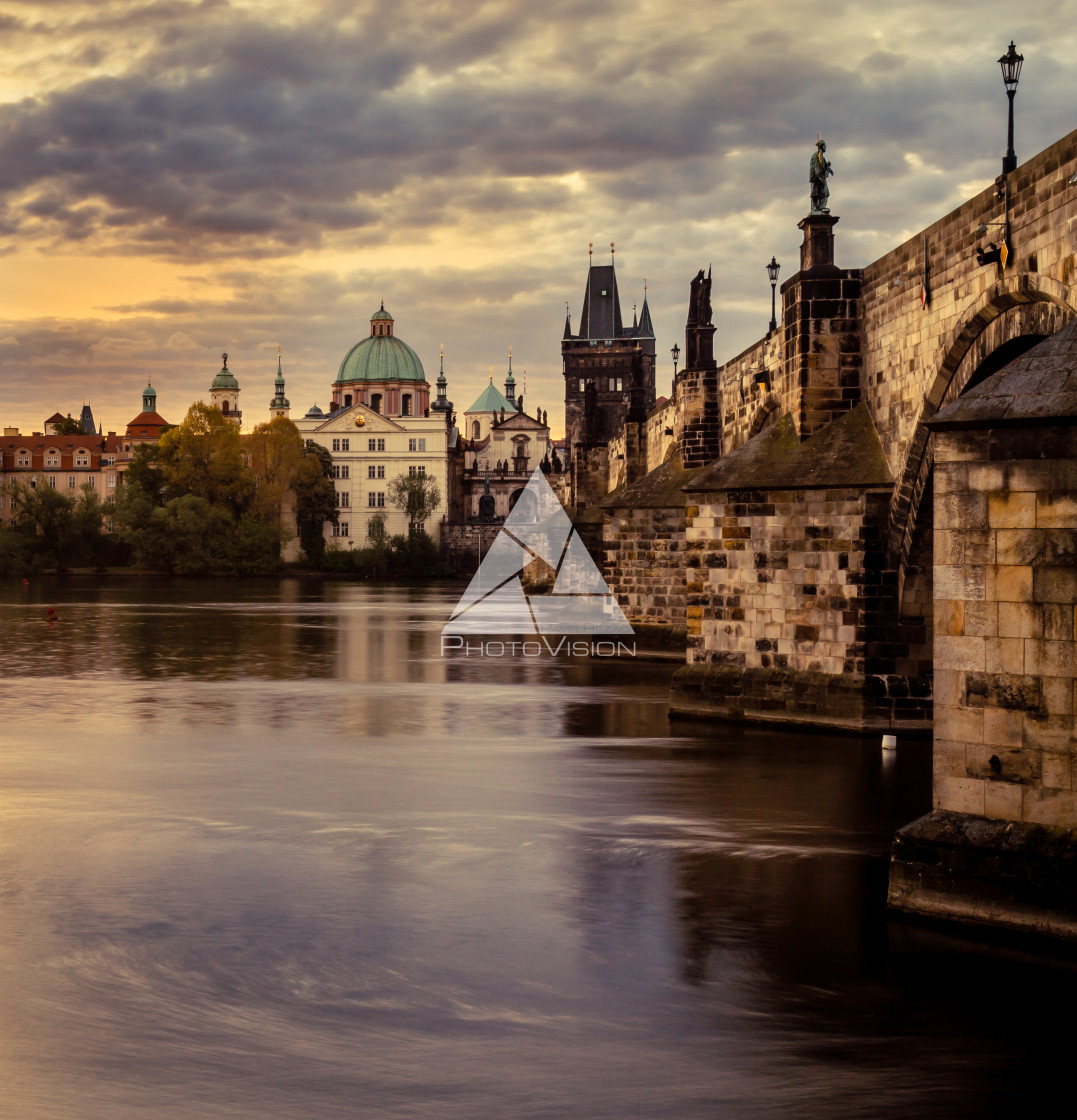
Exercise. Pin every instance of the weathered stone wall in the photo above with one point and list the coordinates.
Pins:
(463, 546)
(790, 608)
(660, 435)
(1006, 589)
(755, 385)
(645, 569)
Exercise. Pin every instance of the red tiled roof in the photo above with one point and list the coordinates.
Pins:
(147, 420)
(56, 418)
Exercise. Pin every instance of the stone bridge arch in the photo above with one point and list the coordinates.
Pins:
(1009, 317)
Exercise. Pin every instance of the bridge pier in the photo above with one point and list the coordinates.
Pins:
(1000, 846)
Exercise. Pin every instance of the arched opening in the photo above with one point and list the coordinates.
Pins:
(526, 500)
(766, 416)
(1008, 352)
(405, 405)
(475, 429)
(375, 402)
(224, 407)
(347, 400)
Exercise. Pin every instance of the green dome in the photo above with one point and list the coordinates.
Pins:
(380, 315)
(224, 379)
(381, 358)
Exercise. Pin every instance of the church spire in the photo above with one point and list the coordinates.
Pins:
(441, 404)
(279, 405)
(510, 382)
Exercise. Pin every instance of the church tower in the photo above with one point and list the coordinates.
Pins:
(279, 405)
(608, 368)
(224, 392)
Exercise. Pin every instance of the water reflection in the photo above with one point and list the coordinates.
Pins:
(264, 852)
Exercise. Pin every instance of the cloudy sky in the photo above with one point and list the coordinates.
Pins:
(183, 177)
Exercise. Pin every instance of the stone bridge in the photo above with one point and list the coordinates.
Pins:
(868, 520)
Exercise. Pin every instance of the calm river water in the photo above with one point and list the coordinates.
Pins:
(265, 853)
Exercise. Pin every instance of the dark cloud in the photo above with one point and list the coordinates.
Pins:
(211, 132)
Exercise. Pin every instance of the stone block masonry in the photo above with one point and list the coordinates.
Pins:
(789, 601)
(1000, 847)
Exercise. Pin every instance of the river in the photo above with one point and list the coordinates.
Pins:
(265, 852)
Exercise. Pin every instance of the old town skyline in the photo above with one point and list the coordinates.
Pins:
(183, 179)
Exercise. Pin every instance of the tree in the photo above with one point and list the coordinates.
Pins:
(203, 457)
(417, 495)
(142, 473)
(69, 426)
(315, 499)
(56, 526)
(276, 449)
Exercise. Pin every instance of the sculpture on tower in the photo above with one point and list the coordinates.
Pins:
(818, 170)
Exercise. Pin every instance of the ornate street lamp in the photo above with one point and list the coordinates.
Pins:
(676, 352)
(772, 272)
(1011, 72)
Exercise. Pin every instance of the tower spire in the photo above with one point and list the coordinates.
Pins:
(510, 381)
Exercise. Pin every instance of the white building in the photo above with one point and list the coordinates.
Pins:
(381, 424)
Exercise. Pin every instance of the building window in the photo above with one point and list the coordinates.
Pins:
(341, 530)
(52, 480)
(112, 482)
(347, 400)
(405, 405)
(376, 499)
(375, 402)
(416, 444)
(336, 445)
(372, 445)
(381, 445)
(343, 499)
(91, 482)
(110, 461)
(381, 470)
(52, 458)
(413, 470)
(616, 384)
(475, 429)
(71, 482)
(336, 471)
(22, 459)
(345, 445)
(224, 408)
(583, 385)
(345, 471)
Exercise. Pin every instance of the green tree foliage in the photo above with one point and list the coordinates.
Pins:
(315, 500)
(194, 537)
(417, 495)
(142, 473)
(276, 449)
(69, 426)
(203, 457)
(411, 557)
(56, 529)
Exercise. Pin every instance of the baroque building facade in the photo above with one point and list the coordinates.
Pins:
(381, 424)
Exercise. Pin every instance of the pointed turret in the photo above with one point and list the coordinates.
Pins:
(645, 328)
(442, 404)
(510, 382)
(279, 405)
(568, 323)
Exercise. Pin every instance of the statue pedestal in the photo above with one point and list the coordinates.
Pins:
(817, 250)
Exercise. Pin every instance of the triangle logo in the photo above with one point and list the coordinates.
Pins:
(495, 601)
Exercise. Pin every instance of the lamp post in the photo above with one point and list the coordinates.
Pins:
(1011, 72)
(676, 352)
(772, 272)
